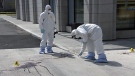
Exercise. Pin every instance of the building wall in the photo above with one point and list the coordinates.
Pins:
(100, 12)
(103, 14)
(35, 12)
(39, 8)
(27, 10)
(17, 7)
(23, 14)
(107, 18)
(70, 15)
(125, 34)
(31, 10)
(8, 5)
(61, 14)
(44, 3)
(20, 1)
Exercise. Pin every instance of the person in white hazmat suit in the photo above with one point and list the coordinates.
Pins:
(91, 35)
(47, 26)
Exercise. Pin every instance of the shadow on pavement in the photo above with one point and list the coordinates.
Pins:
(12, 37)
(110, 63)
(18, 41)
(62, 55)
(28, 65)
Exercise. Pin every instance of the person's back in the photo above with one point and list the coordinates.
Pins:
(88, 27)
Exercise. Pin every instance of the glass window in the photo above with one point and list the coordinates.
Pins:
(53, 5)
(125, 14)
(1, 3)
(79, 18)
(71, 11)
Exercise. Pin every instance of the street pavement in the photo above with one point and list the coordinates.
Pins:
(13, 37)
(64, 62)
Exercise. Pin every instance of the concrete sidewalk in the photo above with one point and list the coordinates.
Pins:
(64, 41)
(121, 61)
(60, 40)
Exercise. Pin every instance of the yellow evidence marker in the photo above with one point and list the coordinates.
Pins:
(131, 50)
(16, 63)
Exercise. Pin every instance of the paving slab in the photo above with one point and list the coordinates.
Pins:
(64, 62)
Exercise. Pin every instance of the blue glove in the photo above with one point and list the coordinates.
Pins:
(42, 30)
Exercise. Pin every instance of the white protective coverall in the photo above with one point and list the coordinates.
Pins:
(91, 35)
(47, 25)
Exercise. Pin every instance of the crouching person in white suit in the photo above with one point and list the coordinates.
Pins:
(47, 25)
(91, 35)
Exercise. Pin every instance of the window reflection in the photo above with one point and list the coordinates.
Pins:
(125, 16)
(1, 6)
(79, 11)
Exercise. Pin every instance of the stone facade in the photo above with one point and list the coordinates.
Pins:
(100, 12)
(103, 14)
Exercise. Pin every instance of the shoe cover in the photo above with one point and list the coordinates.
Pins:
(91, 55)
(101, 59)
(42, 50)
(49, 49)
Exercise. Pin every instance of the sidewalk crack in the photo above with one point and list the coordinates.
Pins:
(128, 68)
(37, 71)
(46, 69)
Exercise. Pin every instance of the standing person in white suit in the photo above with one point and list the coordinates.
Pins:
(91, 35)
(47, 26)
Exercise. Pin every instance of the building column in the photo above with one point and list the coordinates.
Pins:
(17, 6)
(27, 10)
(23, 10)
(87, 11)
(61, 14)
(31, 10)
(35, 11)
(39, 9)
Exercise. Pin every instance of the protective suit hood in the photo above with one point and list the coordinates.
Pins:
(75, 33)
(47, 7)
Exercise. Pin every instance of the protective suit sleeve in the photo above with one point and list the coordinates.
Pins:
(85, 38)
(82, 49)
(41, 20)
